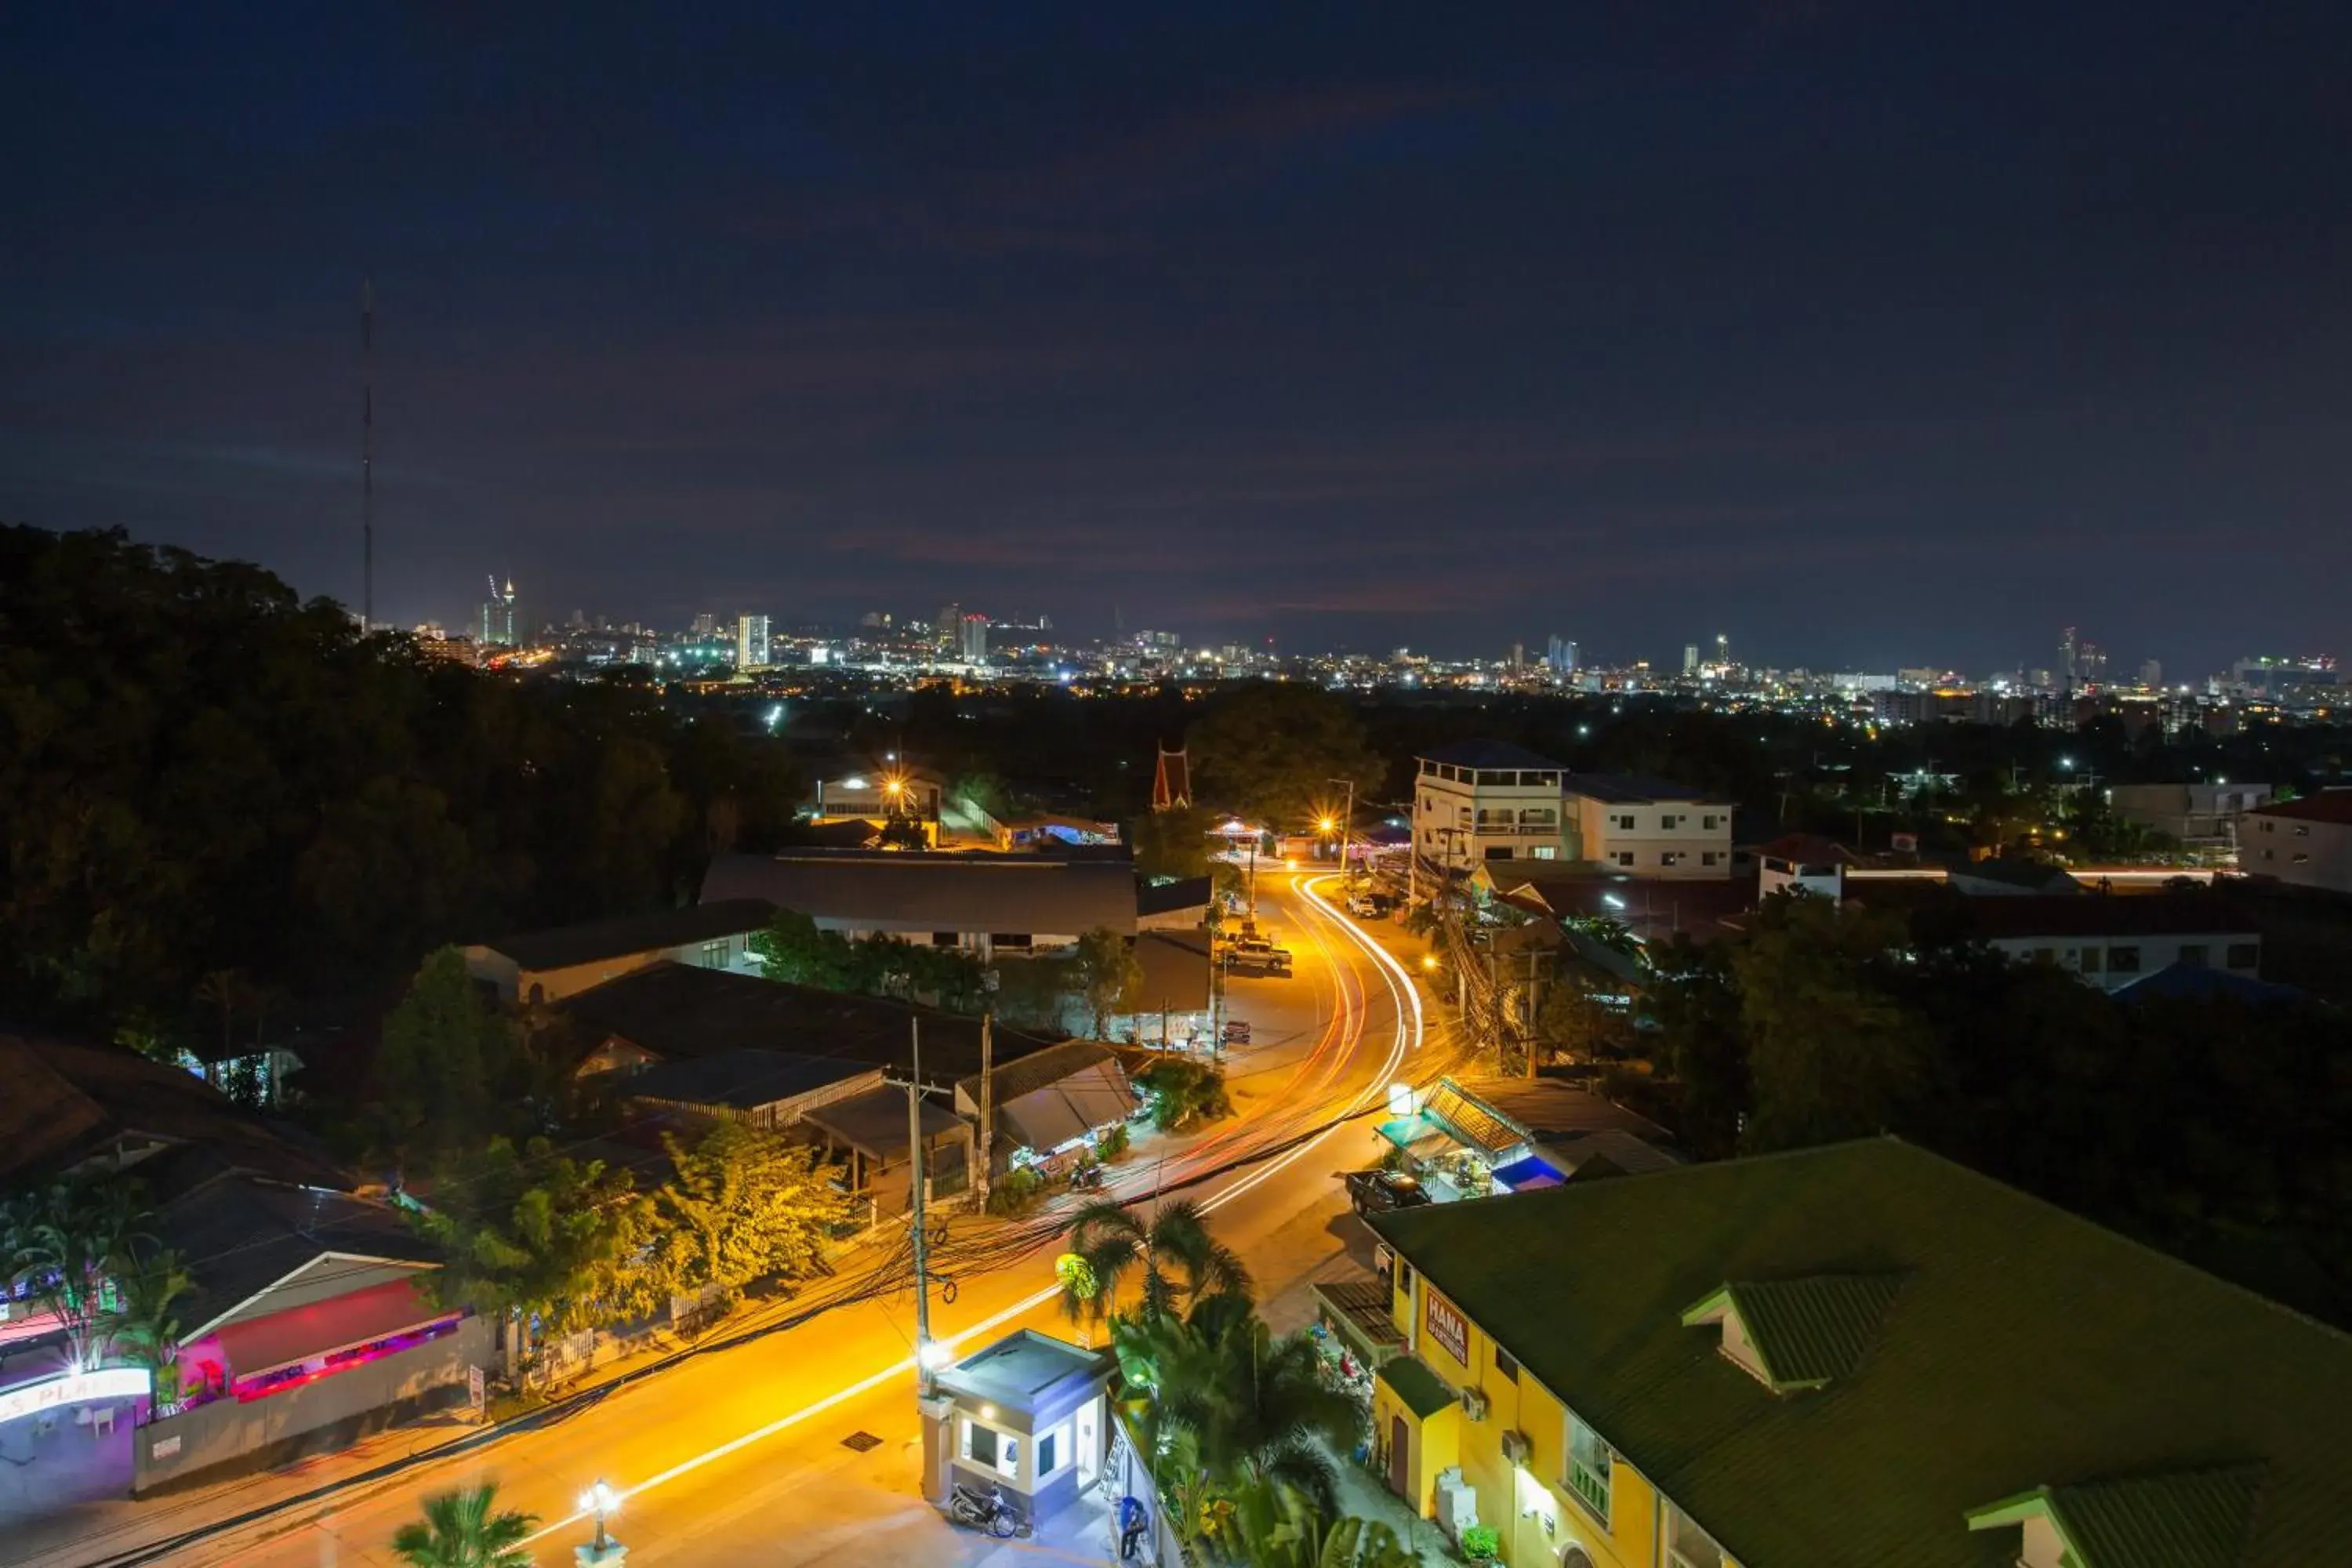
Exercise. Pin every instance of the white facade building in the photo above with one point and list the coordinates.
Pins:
(1488, 800)
(2303, 843)
(751, 642)
(1650, 827)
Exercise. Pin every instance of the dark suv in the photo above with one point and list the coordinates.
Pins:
(1378, 1192)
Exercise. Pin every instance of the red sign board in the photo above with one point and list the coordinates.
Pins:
(1447, 1326)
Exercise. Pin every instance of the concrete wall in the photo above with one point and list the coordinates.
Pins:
(2297, 852)
(316, 1417)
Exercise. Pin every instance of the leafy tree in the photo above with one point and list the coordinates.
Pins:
(1270, 750)
(530, 1232)
(745, 1205)
(792, 948)
(1177, 1093)
(466, 1530)
(1170, 846)
(1110, 977)
(64, 1241)
(1276, 1525)
(1832, 1052)
(1260, 1407)
(144, 1326)
(447, 1050)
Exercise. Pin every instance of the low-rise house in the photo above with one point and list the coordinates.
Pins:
(1042, 1107)
(2197, 815)
(1180, 905)
(2303, 843)
(309, 1318)
(1175, 1002)
(988, 904)
(1488, 800)
(549, 965)
(1861, 1354)
(2108, 940)
(1469, 1138)
(1650, 827)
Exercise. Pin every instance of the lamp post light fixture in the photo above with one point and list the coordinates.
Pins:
(602, 1503)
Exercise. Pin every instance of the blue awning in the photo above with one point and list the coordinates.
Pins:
(1525, 1175)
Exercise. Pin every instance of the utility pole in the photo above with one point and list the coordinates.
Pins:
(916, 1180)
(1347, 821)
(987, 1106)
(367, 457)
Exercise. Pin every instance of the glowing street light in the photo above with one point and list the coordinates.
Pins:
(936, 1356)
(601, 1501)
(1428, 961)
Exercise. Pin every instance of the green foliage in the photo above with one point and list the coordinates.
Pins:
(63, 1241)
(1170, 846)
(1112, 1143)
(466, 1530)
(1270, 750)
(744, 1205)
(1178, 1093)
(1179, 1264)
(1017, 1191)
(534, 1231)
(211, 775)
(1481, 1544)
(145, 1327)
(446, 1053)
(1110, 977)
(792, 948)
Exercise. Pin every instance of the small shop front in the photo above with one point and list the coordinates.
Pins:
(1461, 1147)
(1030, 1417)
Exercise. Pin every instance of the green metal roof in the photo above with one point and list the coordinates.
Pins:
(1809, 1331)
(1415, 1384)
(2025, 1347)
(2191, 1520)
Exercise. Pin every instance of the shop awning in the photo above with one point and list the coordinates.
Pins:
(1526, 1175)
(1358, 1310)
(321, 1328)
(1418, 1137)
(1093, 1097)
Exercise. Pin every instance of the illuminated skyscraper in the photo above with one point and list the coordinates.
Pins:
(497, 622)
(974, 639)
(751, 642)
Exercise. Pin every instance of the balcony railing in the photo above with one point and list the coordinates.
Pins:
(1522, 829)
(1590, 1487)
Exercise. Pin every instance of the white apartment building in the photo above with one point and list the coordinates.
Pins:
(1489, 800)
(1649, 827)
(2303, 843)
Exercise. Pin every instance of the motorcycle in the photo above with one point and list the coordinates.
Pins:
(1086, 1179)
(987, 1510)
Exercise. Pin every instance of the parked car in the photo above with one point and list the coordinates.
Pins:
(1378, 1192)
(1368, 903)
(1267, 961)
(1237, 1032)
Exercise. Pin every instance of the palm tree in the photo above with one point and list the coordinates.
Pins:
(64, 1241)
(1258, 1406)
(145, 1327)
(461, 1529)
(1181, 1264)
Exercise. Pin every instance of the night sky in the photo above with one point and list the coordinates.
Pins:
(1866, 332)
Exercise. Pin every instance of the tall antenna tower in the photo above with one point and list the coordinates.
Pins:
(367, 456)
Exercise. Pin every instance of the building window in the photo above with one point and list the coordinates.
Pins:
(1547, 852)
(1011, 939)
(714, 955)
(2091, 958)
(947, 938)
(1667, 822)
(2196, 954)
(1052, 1448)
(1505, 1367)
(2245, 954)
(2123, 960)
(1625, 825)
(1688, 1546)
(1710, 823)
(1670, 858)
(1624, 857)
(978, 1442)
(1588, 1469)
(1709, 857)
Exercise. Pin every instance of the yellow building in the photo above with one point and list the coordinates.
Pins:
(1863, 1354)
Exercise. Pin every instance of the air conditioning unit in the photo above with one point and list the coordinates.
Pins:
(1517, 1448)
(1473, 1403)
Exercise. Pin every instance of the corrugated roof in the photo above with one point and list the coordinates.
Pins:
(2327, 805)
(1176, 971)
(1471, 1121)
(1029, 894)
(1171, 897)
(741, 1079)
(564, 946)
(1037, 1071)
(1635, 789)
(876, 1121)
(1809, 1331)
(2195, 1519)
(2026, 1348)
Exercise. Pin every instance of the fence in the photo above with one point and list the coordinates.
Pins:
(314, 1416)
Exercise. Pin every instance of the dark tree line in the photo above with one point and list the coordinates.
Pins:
(204, 775)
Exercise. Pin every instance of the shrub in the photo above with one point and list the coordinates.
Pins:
(1178, 1093)
(1017, 1191)
(1481, 1542)
(1112, 1143)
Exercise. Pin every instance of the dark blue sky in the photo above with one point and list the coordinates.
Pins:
(1866, 332)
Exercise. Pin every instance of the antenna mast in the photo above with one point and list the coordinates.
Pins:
(367, 456)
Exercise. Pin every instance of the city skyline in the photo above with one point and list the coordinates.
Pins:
(1872, 336)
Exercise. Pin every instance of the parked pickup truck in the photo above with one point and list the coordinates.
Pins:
(1368, 903)
(1378, 1192)
(1261, 958)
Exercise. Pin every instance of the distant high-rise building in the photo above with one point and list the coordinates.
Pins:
(972, 639)
(497, 617)
(751, 642)
(1690, 658)
(706, 625)
(1518, 655)
(2151, 673)
(948, 628)
(2070, 670)
(1562, 656)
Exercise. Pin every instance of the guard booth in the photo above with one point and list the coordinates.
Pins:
(1029, 1414)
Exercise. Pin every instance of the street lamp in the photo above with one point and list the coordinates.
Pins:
(601, 1501)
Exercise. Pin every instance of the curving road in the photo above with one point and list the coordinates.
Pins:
(739, 1457)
